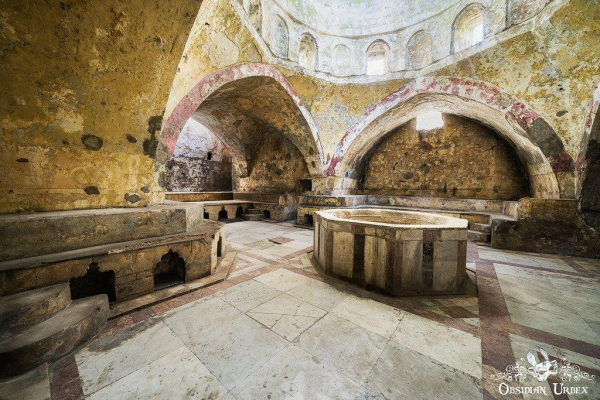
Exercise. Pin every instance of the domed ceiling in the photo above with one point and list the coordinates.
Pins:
(362, 17)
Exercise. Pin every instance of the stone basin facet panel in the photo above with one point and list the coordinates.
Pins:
(400, 253)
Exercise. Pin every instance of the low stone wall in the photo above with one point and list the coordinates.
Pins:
(198, 196)
(548, 226)
(410, 253)
(133, 263)
(28, 235)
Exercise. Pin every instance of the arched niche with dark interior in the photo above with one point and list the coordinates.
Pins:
(169, 271)
(461, 159)
(93, 283)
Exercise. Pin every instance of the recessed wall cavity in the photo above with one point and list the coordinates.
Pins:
(463, 159)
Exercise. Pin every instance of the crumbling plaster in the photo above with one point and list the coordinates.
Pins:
(392, 22)
(523, 67)
(84, 87)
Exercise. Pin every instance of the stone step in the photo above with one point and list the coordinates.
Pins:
(474, 236)
(476, 218)
(23, 310)
(483, 228)
(253, 217)
(54, 337)
(254, 211)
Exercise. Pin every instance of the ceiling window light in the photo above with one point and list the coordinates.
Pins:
(430, 120)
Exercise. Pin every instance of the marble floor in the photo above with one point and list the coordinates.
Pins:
(277, 329)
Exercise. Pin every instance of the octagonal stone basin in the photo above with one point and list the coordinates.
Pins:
(400, 253)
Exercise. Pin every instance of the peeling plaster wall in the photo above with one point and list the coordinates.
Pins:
(84, 88)
(462, 159)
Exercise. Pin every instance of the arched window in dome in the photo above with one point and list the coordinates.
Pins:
(307, 52)
(280, 37)
(341, 61)
(469, 27)
(254, 12)
(378, 58)
(418, 50)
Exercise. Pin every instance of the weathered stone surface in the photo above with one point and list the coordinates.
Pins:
(133, 263)
(43, 233)
(79, 78)
(53, 338)
(29, 308)
(462, 159)
(548, 226)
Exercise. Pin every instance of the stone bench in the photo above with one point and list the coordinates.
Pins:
(126, 269)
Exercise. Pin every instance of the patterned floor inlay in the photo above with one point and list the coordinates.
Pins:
(277, 328)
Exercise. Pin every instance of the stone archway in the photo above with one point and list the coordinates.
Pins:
(536, 144)
(301, 129)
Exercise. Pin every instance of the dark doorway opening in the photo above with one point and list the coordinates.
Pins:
(239, 212)
(223, 214)
(308, 219)
(267, 214)
(209, 156)
(93, 283)
(169, 271)
(306, 185)
(205, 215)
(219, 246)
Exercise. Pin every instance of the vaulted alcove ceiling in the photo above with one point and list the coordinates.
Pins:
(362, 17)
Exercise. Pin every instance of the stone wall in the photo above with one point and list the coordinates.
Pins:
(277, 167)
(84, 88)
(462, 159)
(201, 162)
(184, 174)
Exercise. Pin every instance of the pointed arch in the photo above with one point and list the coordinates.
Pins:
(280, 37)
(302, 133)
(378, 58)
(469, 27)
(536, 144)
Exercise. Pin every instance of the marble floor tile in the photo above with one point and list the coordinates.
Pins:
(318, 294)
(177, 375)
(521, 346)
(295, 374)
(371, 315)
(247, 295)
(280, 250)
(350, 349)
(282, 279)
(286, 315)
(110, 358)
(534, 301)
(190, 323)
(235, 350)
(402, 373)
(449, 346)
